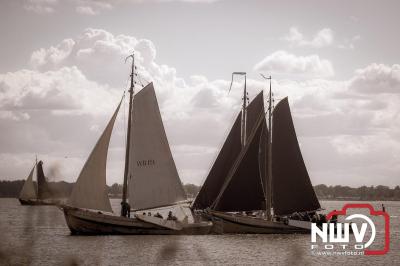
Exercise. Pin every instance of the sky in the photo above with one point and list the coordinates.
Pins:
(62, 73)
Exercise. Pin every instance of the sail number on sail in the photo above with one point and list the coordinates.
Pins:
(149, 162)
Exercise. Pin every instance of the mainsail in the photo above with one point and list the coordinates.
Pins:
(245, 189)
(28, 190)
(153, 178)
(44, 191)
(292, 189)
(90, 190)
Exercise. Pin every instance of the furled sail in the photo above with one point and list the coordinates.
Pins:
(44, 191)
(292, 189)
(246, 184)
(152, 177)
(28, 190)
(90, 190)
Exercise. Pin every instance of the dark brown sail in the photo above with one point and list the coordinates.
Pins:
(291, 185)
(43, 187)
(245, 192)
(227, 156)
(220, 168)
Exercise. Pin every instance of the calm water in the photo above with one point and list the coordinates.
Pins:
(39, 236)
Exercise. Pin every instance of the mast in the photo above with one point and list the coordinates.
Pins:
(128, 137)
(244, 107)
(268, 197)
(269, 189)
(37, 183)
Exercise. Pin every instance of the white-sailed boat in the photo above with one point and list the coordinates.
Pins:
(151, 182)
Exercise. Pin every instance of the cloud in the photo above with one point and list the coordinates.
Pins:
(283, 62)
(58, 108)
(78, 82)
(40, 6)
(91, 7)
(86, 10)
(322, 38)
(376, 79)
(350, 43)
(100, 55)
(63, 90)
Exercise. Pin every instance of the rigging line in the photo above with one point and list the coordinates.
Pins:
(124, 122)
(141, 83)
(140, 77)
(124, 117)
(259, 157)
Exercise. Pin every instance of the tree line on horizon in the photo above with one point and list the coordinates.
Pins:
(62, 189)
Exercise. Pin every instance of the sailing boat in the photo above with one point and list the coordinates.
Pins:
(43, 195)
(259, 180)
(151, 182)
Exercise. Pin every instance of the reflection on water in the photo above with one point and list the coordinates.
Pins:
(38, 235)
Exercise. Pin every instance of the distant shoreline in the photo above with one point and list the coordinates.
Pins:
(340, 200)
(11, 189)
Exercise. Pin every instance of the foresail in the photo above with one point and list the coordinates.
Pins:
(246, 181)
(216, 177)
(227, 157)
(244, 190)
(152, 177)
(292, 189)
(244, 185)
(28, 190)
(90, 190)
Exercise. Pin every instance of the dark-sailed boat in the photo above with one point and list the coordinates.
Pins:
(259, 182)
(151, 182)
(42, 195)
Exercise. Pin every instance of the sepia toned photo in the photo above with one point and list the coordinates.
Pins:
(199, 132)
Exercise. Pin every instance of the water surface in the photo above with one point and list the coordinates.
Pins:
(38, 235)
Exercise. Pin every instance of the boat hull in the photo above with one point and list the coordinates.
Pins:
(38, 202)
(225, 223)
(87, 222)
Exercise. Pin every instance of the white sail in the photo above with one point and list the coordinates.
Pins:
(28, 190)
(90, 190)
(153, 178)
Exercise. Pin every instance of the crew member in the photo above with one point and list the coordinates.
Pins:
(125, 209)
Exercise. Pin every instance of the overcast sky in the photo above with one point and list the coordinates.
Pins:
(62, 73)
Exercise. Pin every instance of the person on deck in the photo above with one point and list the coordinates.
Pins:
(125, 209)
(128, 209)
(171, 217)
(383, 207)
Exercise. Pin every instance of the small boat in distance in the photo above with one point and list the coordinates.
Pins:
(259, 183)
(42, 195)
(151, 181)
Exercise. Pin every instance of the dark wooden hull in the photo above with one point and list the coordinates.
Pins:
(225, 223)
(37, 202)
(85, 222)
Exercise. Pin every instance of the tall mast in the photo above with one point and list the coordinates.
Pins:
(37, 187)
(269, 192)
(269, 210)
(128, 137)
(244, 107)
(244, 113)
